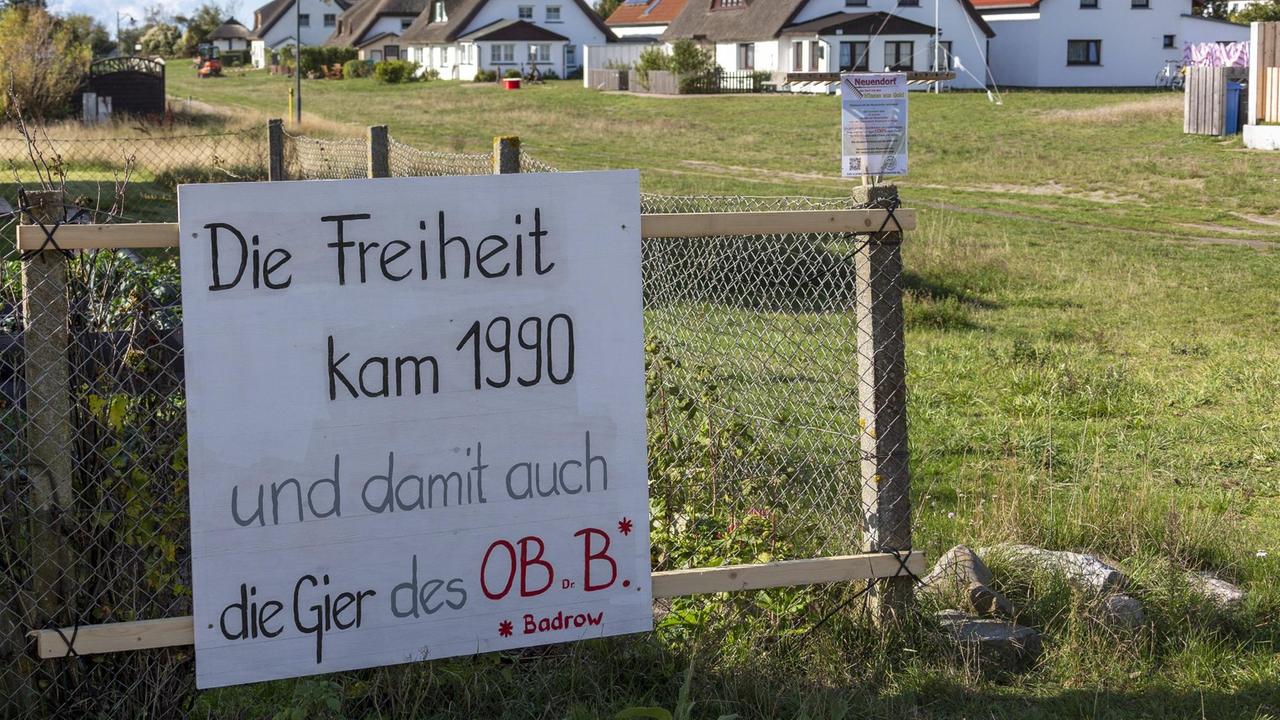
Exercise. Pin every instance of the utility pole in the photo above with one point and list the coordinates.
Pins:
(297, 62)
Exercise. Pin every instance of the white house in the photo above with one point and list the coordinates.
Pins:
(1094, 43)
(376, 27)
(230, 36)
(641, 20)
(457, 38)
(274, 25)
(827, 36)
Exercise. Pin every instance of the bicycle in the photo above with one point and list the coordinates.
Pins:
(1171, 76)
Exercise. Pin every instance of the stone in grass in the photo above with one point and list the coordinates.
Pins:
(995, 644)
(960, 574)
(1122, 611)
(1083, 572)
(1222, 593)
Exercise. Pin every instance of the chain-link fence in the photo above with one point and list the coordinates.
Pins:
(775, 422)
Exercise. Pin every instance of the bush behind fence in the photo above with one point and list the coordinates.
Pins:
(756, 435)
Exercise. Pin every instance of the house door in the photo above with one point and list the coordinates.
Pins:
(570, 58)
(846, 56)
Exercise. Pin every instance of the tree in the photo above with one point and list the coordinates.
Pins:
(40, 61)
(203, 21)
(85, 30)
(1213, 8)
(161, 39)
(1258, 12)
(605, 8)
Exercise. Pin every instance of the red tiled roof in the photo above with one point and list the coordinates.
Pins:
(653, 12)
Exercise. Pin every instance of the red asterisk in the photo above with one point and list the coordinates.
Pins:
(504, 628)
(624, 526)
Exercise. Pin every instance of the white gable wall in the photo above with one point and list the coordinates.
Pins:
(450, 60)
(316, 33)
(573, 23)
(968, 42)
(1030, 49)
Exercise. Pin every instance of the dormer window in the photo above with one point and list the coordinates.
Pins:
(437, 11)
(727, 4)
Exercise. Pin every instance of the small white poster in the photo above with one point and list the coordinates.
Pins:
(416, 419)
(873, 124)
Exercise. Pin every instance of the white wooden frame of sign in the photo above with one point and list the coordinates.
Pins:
(179, 631)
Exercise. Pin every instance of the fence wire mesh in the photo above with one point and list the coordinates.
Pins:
(763, 394)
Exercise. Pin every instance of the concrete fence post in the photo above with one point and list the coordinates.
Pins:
(379, 152)
(882, 399)
(506, 155)
(50, 464)
(275, 149)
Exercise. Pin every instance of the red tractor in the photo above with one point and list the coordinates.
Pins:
(208, 63)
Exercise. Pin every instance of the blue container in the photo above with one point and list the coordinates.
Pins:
(1233, 107)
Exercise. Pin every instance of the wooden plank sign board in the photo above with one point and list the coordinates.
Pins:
(416, 419)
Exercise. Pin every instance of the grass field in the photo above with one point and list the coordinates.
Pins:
(1092, 310)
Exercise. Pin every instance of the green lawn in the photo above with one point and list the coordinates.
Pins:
(1092, 314)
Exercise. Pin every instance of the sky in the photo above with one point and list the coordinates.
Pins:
(105, 10)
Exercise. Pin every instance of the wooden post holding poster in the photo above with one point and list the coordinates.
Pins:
(873, 109)
(416, 419)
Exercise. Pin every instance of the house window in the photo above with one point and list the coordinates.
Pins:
(899, 56)
(391, 52)
(540, 52)
(1141, 4)
(1089, 4)
(855, 56)
(1084, 52)
(405, 23)
(942, 55)
(1170, 41)
(855, 3)
(816, 53)
(726, 4)
(525, 12)
(553, 13)
(746, 56)
(330, 20)
(437, 11)
(908, 3)
(503, 53)
(797, 56)
(304, 20)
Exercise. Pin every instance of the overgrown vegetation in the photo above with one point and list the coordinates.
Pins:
(41, 62)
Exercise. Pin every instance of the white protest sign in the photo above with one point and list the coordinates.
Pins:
(873, 109)
(416, 419)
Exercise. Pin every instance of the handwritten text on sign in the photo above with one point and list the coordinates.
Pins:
(416, 418)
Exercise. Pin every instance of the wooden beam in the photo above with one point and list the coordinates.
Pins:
(180, 631)
(117, 637)
(140, 236)
(736, 578)
(771, 223)
(137, 236)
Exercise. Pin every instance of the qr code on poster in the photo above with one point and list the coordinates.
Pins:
(855, 164)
